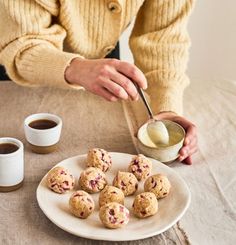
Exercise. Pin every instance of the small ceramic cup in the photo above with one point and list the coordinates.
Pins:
(11, 164)
(165, 154)
(43, 140)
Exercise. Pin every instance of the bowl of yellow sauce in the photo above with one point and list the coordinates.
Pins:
(167, 152)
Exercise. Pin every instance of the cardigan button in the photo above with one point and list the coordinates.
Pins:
(108, 49)
(114, 7)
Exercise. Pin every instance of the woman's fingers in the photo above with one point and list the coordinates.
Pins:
(191, 133)
(192, 143)
(188, 149)
(188, 152)
(115, 89)
(106, 94)
(188, 160)
(125, 83)
(116, 76)
(132, 72)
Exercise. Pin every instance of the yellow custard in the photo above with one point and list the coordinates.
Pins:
(174, 138)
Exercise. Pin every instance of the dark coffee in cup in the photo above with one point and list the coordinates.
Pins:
(43, 132)
(7, 148)
(42, 124)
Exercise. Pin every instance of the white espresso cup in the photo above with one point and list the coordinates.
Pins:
(11, 164)
(43, 131)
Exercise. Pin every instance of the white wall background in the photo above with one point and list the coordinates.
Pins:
(212, 28)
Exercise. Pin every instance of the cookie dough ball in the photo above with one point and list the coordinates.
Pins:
(127, 182)
(60, 180)
(81, 204)
(114, 215)
(158, 184)
(140, 166)
(145, 205)
(92, 180)
(111, 194)
(99, 158)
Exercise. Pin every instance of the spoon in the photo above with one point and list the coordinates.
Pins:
(156, 130)
(142, 95)
(158, 133)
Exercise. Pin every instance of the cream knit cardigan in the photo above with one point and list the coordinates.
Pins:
(39, 38)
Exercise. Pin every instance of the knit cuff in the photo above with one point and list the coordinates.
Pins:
(165, 99)
(166, 94)
(45, 66)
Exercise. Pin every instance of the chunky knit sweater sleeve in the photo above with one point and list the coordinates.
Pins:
(31, 45)
(32, 34)
(160, 44)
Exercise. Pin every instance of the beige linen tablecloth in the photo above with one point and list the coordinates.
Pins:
(211, 218)
(88, 121)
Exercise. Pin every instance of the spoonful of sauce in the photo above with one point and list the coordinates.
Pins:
(156, 130)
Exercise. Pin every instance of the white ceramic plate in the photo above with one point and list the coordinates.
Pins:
(171, 208)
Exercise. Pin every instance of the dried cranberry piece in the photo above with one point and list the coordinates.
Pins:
(143, 212)
(122, 183)
(63, 172)
(66, 182)
(135, 162)
(155, 184)
(113, 219)
(112, 212)
(93, 183)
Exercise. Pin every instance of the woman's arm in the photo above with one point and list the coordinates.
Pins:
(31, 51)
(31, 44)
(160, 44)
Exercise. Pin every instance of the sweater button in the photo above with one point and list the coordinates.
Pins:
(114, 7)
(108, 49)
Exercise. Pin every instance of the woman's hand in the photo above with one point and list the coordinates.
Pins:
(111, 79)
(190, 142)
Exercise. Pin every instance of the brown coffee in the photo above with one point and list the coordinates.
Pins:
(42, 124)
(7, 148)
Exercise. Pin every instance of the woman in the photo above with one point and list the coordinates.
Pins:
(63, 43)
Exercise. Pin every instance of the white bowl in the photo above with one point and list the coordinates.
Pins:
(167, 153)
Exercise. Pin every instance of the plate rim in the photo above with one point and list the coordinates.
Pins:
(117, 239)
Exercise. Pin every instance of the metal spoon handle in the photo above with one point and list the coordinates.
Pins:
(142, 95)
